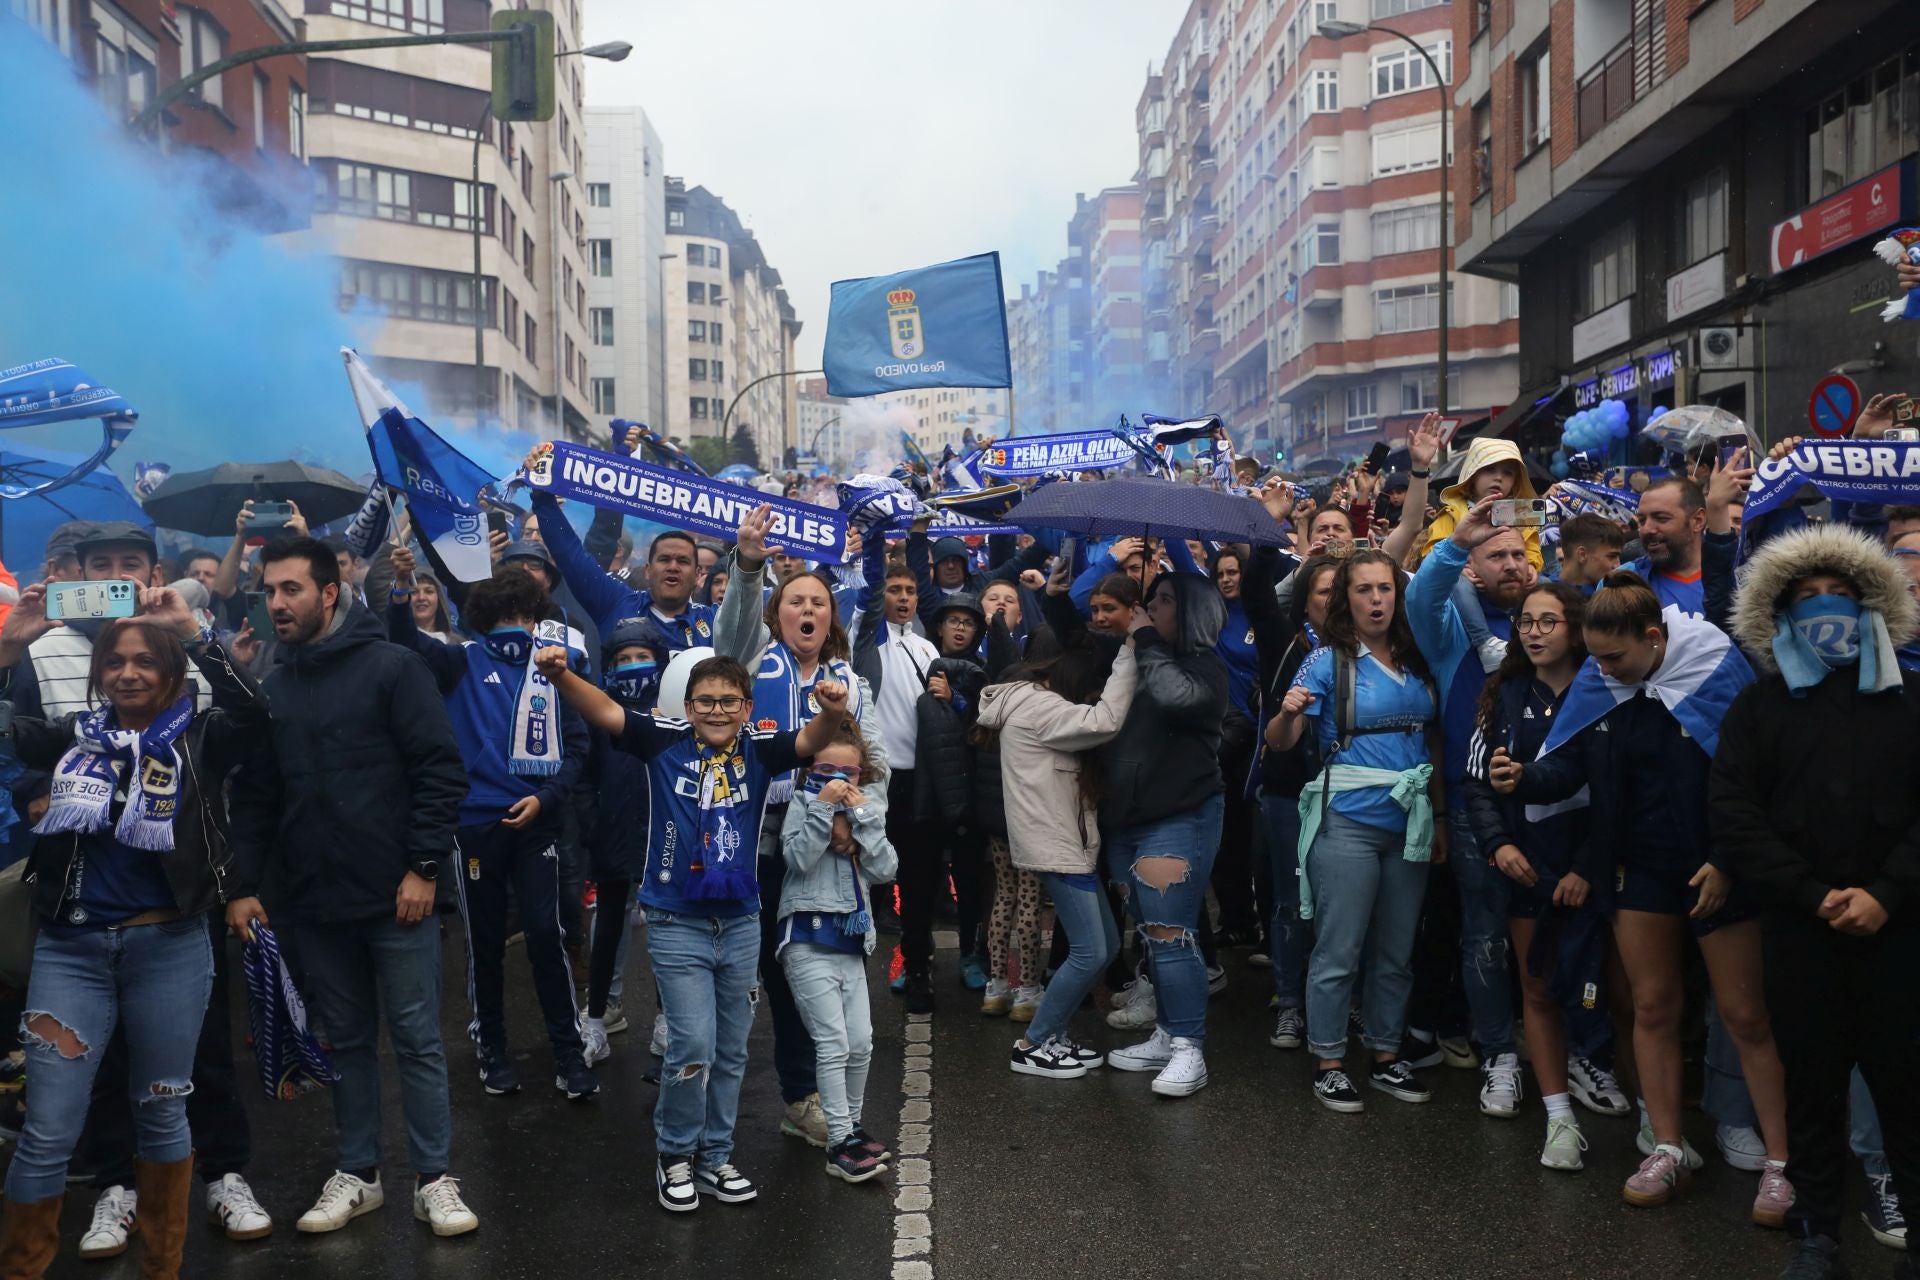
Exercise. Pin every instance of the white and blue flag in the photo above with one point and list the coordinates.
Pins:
(1701, 672)
(938, 326)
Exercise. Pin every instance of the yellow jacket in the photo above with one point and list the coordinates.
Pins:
(1454, 503)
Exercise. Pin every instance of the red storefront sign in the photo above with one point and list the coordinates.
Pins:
(1869, 205)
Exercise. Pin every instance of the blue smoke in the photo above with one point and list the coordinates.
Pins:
(118, 259)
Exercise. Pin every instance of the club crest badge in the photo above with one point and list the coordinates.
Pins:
(903, 325)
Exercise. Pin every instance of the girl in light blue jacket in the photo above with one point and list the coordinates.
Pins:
(835, 844)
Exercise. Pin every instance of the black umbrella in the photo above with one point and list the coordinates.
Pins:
(1148, 509)
(206, 501)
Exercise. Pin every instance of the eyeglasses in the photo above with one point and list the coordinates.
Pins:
(729, 704)
(1545, 626)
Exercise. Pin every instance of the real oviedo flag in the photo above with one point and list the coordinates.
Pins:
(938, 326)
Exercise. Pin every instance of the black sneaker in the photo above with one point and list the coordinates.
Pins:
(1816, 1258)
(724, 1183)
(919, 993)
(673, 1180)
(872, 1145)
(1882, 1214)
(1397, 1079)
(1335, 1090)
(496, 1074)
(851, 1162)
(575, 1078)
(1049, 1061)
(1421, 1050)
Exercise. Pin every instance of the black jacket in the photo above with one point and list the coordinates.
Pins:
(1816, 793)
(219, 739)
(360, 778)
(1555, 844)
(1166, 758)
(943, 760)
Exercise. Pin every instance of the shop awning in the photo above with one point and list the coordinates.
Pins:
(1538, 403)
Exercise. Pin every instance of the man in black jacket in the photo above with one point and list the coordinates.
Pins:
(355, 805)
(1814, 806)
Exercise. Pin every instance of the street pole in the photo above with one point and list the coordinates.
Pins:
(479, 308)
(765, 377)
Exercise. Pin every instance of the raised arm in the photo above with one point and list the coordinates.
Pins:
(740, 628)
(1422, 446)
(605, 597)
(820, 730)
(594, 706)
(448, 662)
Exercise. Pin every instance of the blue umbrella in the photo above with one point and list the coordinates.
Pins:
(56, 390)
(1149, 509)
(26, 522)
(737, 473)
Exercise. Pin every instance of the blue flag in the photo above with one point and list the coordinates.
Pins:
(56, 390)
(1700, 675)
(938, 326)
(1850, 470)
(442, 488)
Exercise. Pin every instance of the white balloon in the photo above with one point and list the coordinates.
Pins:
(673, 681)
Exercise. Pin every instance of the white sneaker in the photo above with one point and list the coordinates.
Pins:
(1125, 993)
(593, 1040)
(1216, 979)
(997, 998)
(1139, 1011)
(1564, 1144)
(1595, 1088)
(1026, 1003)
(1741, 1147)
(1500, 1087)
(1185, 1072)
(114, 1214)
(1149, 1055)
(343, 1199)
(616, 1018)
(439, 1205)
(232, 1208)
(657, 1046)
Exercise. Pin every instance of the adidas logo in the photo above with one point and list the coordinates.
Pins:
(1527, 714)
(1600, 727)
(493, 677)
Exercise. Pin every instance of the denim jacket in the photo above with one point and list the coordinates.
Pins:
(820, 880)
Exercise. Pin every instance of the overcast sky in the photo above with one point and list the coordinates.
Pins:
(857, 137)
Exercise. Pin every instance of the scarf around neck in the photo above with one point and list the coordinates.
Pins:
(722, 869)
(1823, 634)
(535, 749)
(89, 773)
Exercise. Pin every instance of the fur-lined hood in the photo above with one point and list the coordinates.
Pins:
(1827, 548)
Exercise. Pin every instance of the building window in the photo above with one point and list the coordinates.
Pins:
(412, 293)
(1865, 127)
(697, 370)
(602, 389)
(600, 257)
(1482, 124)
(1419, 391)
(1406, 309)
(1321, 93)
(1509, 301)
(1322, 166)
(1320, 246)
(676, 218)
(1607, 271)
(1363, 408)
(532, 347)
(696, 331)
(204, 45)
(696, 291)
(421, 17)
(259, 111)
(719, 407)
(526, 255)
(1535, 100)
(697, 407)
(297, 121)
(697, 255)
(719, 370)
(1405, 71)
(600, 326)
(1700, 218)
(393, 195)
(713, 329)
(1406, 230)
(1406, 150)
(600, 194)
(510, 325)
(387, 97)
(124, 58)
(1394, 8)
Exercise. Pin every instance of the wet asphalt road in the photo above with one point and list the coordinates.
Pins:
(1027, 1177)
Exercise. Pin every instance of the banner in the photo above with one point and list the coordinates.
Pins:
(682, 500)
(442, 487)
(938, 326)
(951, 524)
(55, 390)
(1851, 470)
(1068, 451)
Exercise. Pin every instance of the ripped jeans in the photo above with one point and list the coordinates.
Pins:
(1179, 974)
(153, 979)
(705, 967)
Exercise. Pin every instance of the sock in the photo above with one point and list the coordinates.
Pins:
(1779, 1166)
(1646, 1121)
(1558, 1106)
(598, 1024)
(1424, 1037)
(366, 1175)
(422, 1179)
(1678, 1154)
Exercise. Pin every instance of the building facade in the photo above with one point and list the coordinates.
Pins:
(626, 195)
(249, 123)
(1108, 225)
(1031, 354)
(1684, 194)
(393, 134)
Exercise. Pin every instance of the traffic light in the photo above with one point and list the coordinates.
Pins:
(523, 66)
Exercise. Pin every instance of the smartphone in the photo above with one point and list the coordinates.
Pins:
(70, 600)
(498, 521)
(1730, 444)
(1069, 545)
(1376, 458)
(1902, 433)
(257, 616)
(1520, 513)
(270, 515)
(1301, 493)
(1338, 548)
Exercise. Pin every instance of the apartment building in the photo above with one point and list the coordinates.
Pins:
(626, 194)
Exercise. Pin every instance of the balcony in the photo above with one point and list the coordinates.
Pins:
(1628, 72)
(1206, 284)
(1204, 226)
(1204, 166)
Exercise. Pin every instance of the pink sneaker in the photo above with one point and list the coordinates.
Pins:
(1657, 1178)
(1776, 1196)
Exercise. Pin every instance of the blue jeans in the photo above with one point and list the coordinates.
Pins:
(354, 969)
(1179, 974)
(1866, 1139)
(1289, 939)
(153, 980)
(1484, 941)
(1723, 1091)
(704, 966)
(830, 991)
(1093, 940)
(1366, 906)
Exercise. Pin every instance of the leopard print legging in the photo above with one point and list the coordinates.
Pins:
(1015, 923)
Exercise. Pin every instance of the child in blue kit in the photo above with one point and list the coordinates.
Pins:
(706, 779)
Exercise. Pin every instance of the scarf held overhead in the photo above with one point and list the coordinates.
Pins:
(1880, 471)
(84, 782)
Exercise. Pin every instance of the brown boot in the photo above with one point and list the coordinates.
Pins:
(29, 1237)
(165, 1191)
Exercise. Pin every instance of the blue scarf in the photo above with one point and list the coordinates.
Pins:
(781, 702)
(722, 869)
(535, 748)
(634, 684)
(1822, 634)
(102, 753)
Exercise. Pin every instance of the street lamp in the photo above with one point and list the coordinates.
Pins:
(1340, 31)
(559, 303)
(660, 375)
(612, 51)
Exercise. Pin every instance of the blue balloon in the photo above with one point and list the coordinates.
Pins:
(1620, 425)
(1616, 411)
(1657, 411)
(1560, 469)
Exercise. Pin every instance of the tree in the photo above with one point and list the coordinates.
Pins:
(710, 452)
(745, 448)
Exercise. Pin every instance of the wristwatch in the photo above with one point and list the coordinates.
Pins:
(425, 868)
(1421, 475)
